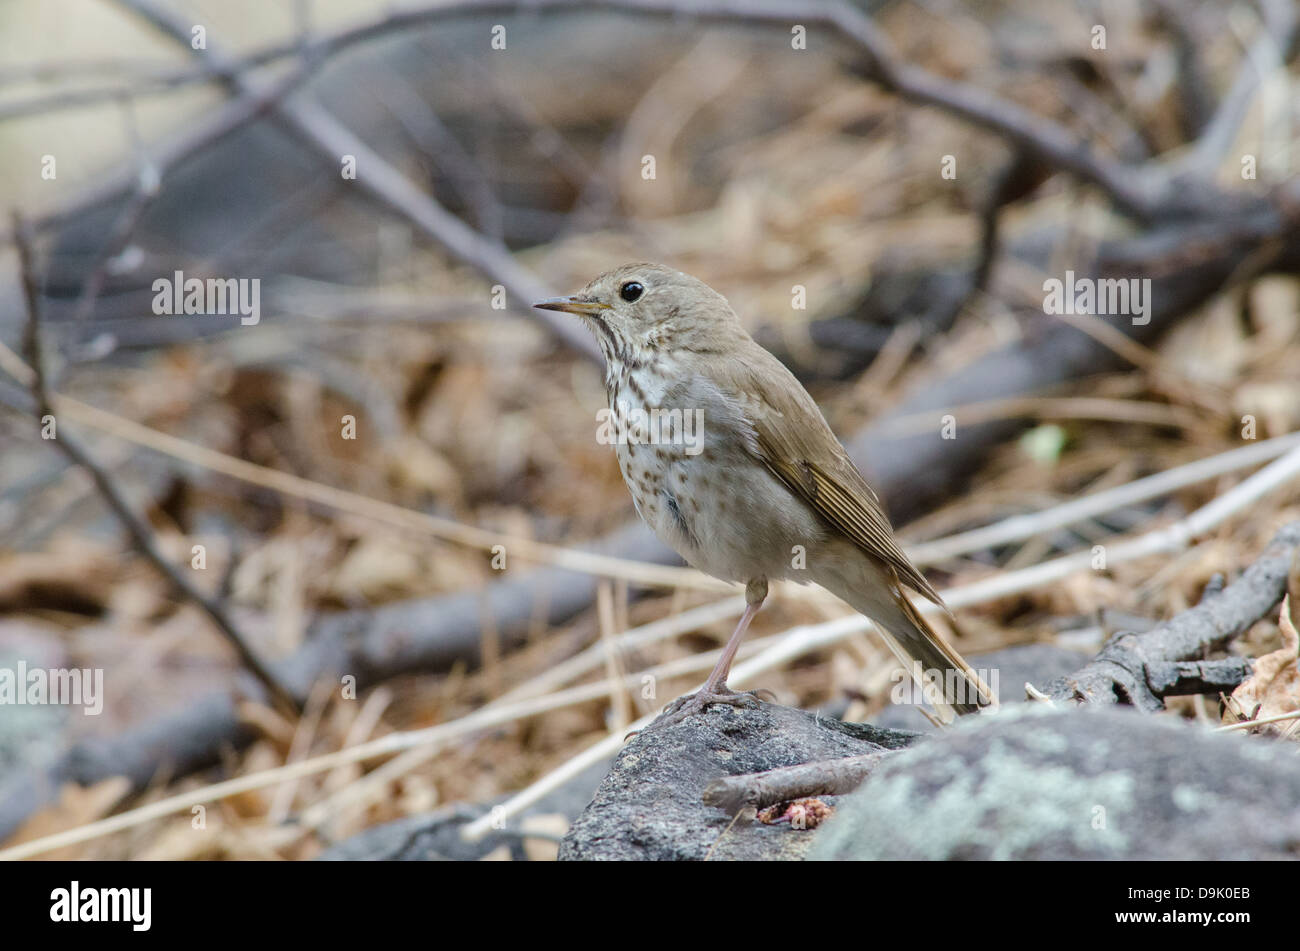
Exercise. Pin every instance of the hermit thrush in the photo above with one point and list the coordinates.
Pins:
(731, 463)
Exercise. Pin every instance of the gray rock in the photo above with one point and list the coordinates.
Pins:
(650, 807)
(1037, 783)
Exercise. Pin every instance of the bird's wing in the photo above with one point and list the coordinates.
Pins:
(796, 444)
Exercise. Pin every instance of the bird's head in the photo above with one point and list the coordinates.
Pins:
(649, 307)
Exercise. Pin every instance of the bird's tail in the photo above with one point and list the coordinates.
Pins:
(966, 692)
(954, 687)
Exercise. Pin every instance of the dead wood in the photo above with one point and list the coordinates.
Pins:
(1142, 669)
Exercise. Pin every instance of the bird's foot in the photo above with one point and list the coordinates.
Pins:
(693, 703)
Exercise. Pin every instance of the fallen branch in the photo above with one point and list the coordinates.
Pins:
(132, 755)
(1179, 678)
(432, 634)
(26, 793)
(1142, 669)
(1188, 264)
(140, 533)
(385, 185)
(822, 778)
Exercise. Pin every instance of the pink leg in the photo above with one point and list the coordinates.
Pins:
(715, 689)
(718, 677)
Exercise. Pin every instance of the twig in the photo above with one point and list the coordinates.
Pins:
(1007, 187)
(1270, 49)
(618, 698)
(139, 532)
(150, 83)
(1247, 724)
(148, 181)
(1046, 407)
(1144, 668)
(227, 120)
(431, 737)
(1020, 527)
(824, 777)
(384, 184)
(387, 513)
(1180, 678)
(1193, 78)
(777, 650)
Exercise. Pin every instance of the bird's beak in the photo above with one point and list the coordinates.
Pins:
(583, 306)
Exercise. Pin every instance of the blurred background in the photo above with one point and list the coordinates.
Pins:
(392, 474)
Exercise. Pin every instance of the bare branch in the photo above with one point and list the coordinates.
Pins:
(1178, 678)
(1137, 667)
(1134, 190)
(388, 187)
(146, 190)
(117, 502)
(229, 119)
(1193, 77)
(1269, 51)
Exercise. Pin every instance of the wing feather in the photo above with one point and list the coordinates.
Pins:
(799, 448)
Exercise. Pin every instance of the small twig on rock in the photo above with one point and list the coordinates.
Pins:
(826, 777)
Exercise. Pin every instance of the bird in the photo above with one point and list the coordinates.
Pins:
(731, 463)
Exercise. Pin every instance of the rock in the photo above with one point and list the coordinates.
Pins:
(1038, 783)
(650, 806)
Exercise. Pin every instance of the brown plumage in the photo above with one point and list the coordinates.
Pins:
(763, 490)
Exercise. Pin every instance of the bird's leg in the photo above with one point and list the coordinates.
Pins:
(715, 689)
(717, 681)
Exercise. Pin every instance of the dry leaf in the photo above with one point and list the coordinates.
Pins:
(1274, 687)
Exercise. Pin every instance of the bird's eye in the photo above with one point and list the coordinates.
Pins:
(631, 291)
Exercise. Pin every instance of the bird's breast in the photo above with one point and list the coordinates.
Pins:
(696, 483)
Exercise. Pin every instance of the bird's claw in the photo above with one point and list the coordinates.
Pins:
(694, 703)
